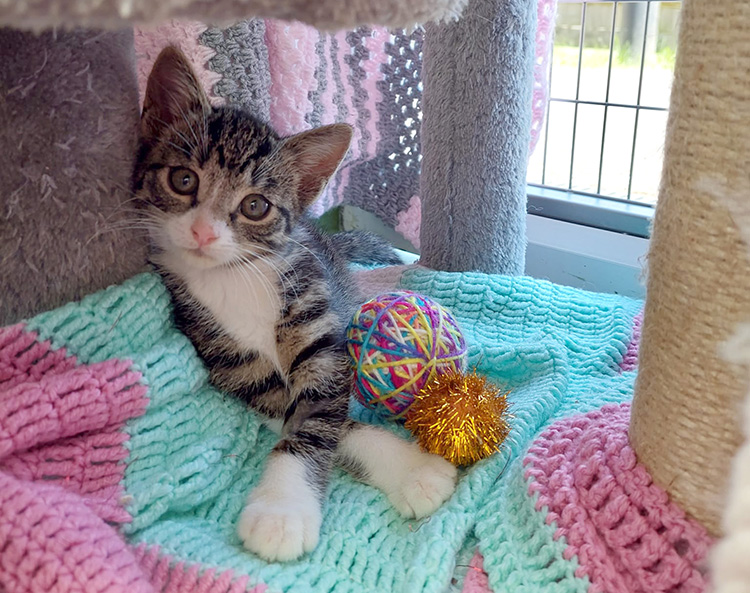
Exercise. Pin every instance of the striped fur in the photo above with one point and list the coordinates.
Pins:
(265, 302)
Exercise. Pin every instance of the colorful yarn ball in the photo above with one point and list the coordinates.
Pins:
(399, 342)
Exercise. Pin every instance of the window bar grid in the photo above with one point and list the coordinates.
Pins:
(638, 102)
(606, 97)
(609, 104)
(578, 90)
(617, 6)
(546, 123)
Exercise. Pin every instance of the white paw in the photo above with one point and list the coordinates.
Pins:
(280, 530)
(425, 484)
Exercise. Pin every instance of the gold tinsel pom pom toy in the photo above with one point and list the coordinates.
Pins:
(460, 416)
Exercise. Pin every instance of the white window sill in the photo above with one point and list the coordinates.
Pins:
(585, 257)
(561, 252)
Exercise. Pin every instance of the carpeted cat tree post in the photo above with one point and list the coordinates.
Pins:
(477, 101)
(68, 121)
(685, 423)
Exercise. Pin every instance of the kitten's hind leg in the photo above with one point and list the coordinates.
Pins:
(416, 483)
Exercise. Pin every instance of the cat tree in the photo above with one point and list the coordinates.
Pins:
(687, 406)
(325, 14)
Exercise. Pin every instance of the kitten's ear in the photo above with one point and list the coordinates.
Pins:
(172, 92)
(316, 155)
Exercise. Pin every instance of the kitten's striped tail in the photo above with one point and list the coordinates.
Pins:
(361, 247)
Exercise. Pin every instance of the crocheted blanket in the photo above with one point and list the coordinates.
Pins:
(122, 469)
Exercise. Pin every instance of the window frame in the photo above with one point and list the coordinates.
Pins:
(609, 214)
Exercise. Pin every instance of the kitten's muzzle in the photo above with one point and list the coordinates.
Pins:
(203, 233)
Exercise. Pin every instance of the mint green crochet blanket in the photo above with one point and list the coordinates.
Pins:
(196, 453)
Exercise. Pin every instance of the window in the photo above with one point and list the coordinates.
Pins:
(598, 160)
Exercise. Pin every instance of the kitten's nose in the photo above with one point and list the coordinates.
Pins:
(203, 233)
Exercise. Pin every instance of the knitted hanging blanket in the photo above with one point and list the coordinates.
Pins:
(297, 77)
(122, 469)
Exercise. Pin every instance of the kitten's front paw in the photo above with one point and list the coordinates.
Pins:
(280, 530)
(427, 482)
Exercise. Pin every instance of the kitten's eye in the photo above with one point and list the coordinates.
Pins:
(183, 181)
(255, 207)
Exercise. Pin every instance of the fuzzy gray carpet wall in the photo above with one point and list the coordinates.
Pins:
(478, 76)
(68, 125)
(325, 14)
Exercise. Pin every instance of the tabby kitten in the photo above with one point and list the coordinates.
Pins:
(265, 299)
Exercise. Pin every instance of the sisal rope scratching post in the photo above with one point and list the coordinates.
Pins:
(687, 406)
(478, 75)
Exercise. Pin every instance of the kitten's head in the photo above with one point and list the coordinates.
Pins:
(217, 184)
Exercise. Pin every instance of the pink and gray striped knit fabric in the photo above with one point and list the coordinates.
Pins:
(297, 78)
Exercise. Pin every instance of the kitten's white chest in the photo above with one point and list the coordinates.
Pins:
(246, 304)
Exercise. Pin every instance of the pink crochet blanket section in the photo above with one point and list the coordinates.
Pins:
(62, 461)
(627, 536)
(183, 34)
(630, 360)
(61, 454)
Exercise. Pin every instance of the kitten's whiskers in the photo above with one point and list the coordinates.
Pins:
(178, 147)
(173, 128)
(308, 250)
(244, 271)
(124, 225)
(279, 273)
(190, 127)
